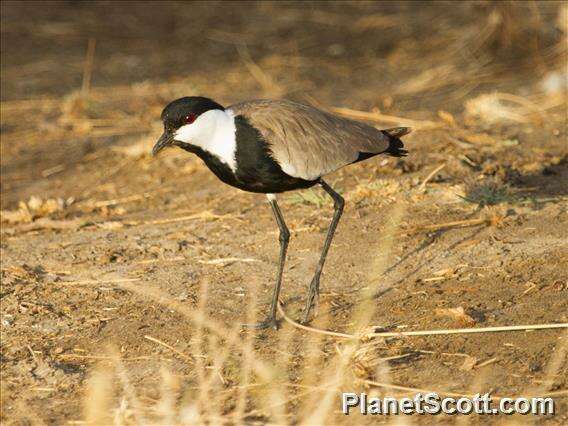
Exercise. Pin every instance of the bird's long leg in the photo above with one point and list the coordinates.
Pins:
(313, 291)
(284, 238)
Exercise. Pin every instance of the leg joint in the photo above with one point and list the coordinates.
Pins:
(284, 235)
(338, 203)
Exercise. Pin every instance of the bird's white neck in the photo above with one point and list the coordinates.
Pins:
(214, 131)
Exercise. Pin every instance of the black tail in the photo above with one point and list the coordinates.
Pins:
(396, 147)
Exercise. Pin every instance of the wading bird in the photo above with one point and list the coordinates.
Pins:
(273, 146)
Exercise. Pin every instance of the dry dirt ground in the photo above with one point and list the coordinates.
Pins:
(111, 258)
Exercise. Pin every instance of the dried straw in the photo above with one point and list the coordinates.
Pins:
(370, 335)
(388, 119)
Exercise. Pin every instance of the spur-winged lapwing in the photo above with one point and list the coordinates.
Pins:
(273, 146)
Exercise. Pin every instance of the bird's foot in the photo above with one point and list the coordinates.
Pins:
(307, 311)
(270, 322)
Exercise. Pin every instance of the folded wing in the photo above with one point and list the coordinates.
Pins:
(308, 143)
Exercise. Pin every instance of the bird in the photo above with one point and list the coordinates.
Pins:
(273, 146)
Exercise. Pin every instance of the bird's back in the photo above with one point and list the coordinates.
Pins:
(307, 142)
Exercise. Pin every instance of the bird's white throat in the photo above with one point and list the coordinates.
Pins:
(214, 131)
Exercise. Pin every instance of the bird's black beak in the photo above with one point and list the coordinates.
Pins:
(165, 140)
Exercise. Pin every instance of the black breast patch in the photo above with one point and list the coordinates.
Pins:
(218, 167)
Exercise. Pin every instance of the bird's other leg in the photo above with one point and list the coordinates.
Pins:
(313, 290)
(284, 238)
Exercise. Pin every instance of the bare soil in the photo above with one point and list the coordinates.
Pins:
(168, 224)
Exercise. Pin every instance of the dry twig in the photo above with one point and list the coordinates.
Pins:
(171, 348)
(88, 67)
(389, 119)
(227, 260)
(366, 336)
(431, 175)
(91, 282)
(454, 224)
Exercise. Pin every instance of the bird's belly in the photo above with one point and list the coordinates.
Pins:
(270, 181)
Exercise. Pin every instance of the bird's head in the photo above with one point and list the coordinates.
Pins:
(184, 120)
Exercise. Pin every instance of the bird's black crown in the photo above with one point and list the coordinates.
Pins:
(176, 112)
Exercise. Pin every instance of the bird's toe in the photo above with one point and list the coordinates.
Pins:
(268, 323)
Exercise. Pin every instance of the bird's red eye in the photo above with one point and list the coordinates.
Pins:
(189, 118)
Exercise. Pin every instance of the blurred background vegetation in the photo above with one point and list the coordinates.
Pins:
(494, 62)
(401, 49)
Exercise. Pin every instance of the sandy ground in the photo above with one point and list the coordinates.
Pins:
(105, 249)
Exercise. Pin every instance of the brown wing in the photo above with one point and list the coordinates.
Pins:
(307, 142)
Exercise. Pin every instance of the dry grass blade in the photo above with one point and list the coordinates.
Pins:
(454, 224)
(108, 357)
(509, 328)
(227, 261)
(206, 215)
(160, 260)
(388, 119)
(8, 107)
(171, 348)
(430, 176)
(115, 201)
(47, 223)
(496, 107)
(265, 81)
(554, 366)
(370, 335)
(311, 329)
(97, 402)
(88, 67)
(91, 282)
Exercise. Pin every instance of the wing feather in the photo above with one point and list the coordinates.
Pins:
(307, 142)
